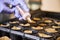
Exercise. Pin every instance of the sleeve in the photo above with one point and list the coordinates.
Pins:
(1, 7)
(21, 3)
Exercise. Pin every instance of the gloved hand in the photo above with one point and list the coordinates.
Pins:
(25, 16)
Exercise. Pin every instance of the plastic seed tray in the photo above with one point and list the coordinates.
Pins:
(34, 35)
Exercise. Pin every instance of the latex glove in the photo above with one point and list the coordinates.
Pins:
(20, 18)
(26, 15)
(23, 13)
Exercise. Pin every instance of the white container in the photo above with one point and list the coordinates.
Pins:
(34, 6)
(51, 5)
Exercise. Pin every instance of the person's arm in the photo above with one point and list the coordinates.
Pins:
(24, 10)
(1, 7)
(25, 15)
(24, 5)
(21, 6)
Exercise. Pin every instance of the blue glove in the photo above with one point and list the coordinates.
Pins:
(26, 15)
(21, 3)
(5, 8)
(20, 17)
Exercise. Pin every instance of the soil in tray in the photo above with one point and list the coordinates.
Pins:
(54, 35)
(4, 36)
(51, 34)
(57, 22)
(29, 31)
(57, 38)
(5, 25)
(38, 28)
(43, 24)
(37, 20)
(25, 25)
(17, 28)
(14, 24)
(43, 35)
(58, 29)
(48, 20)
(32, 32)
